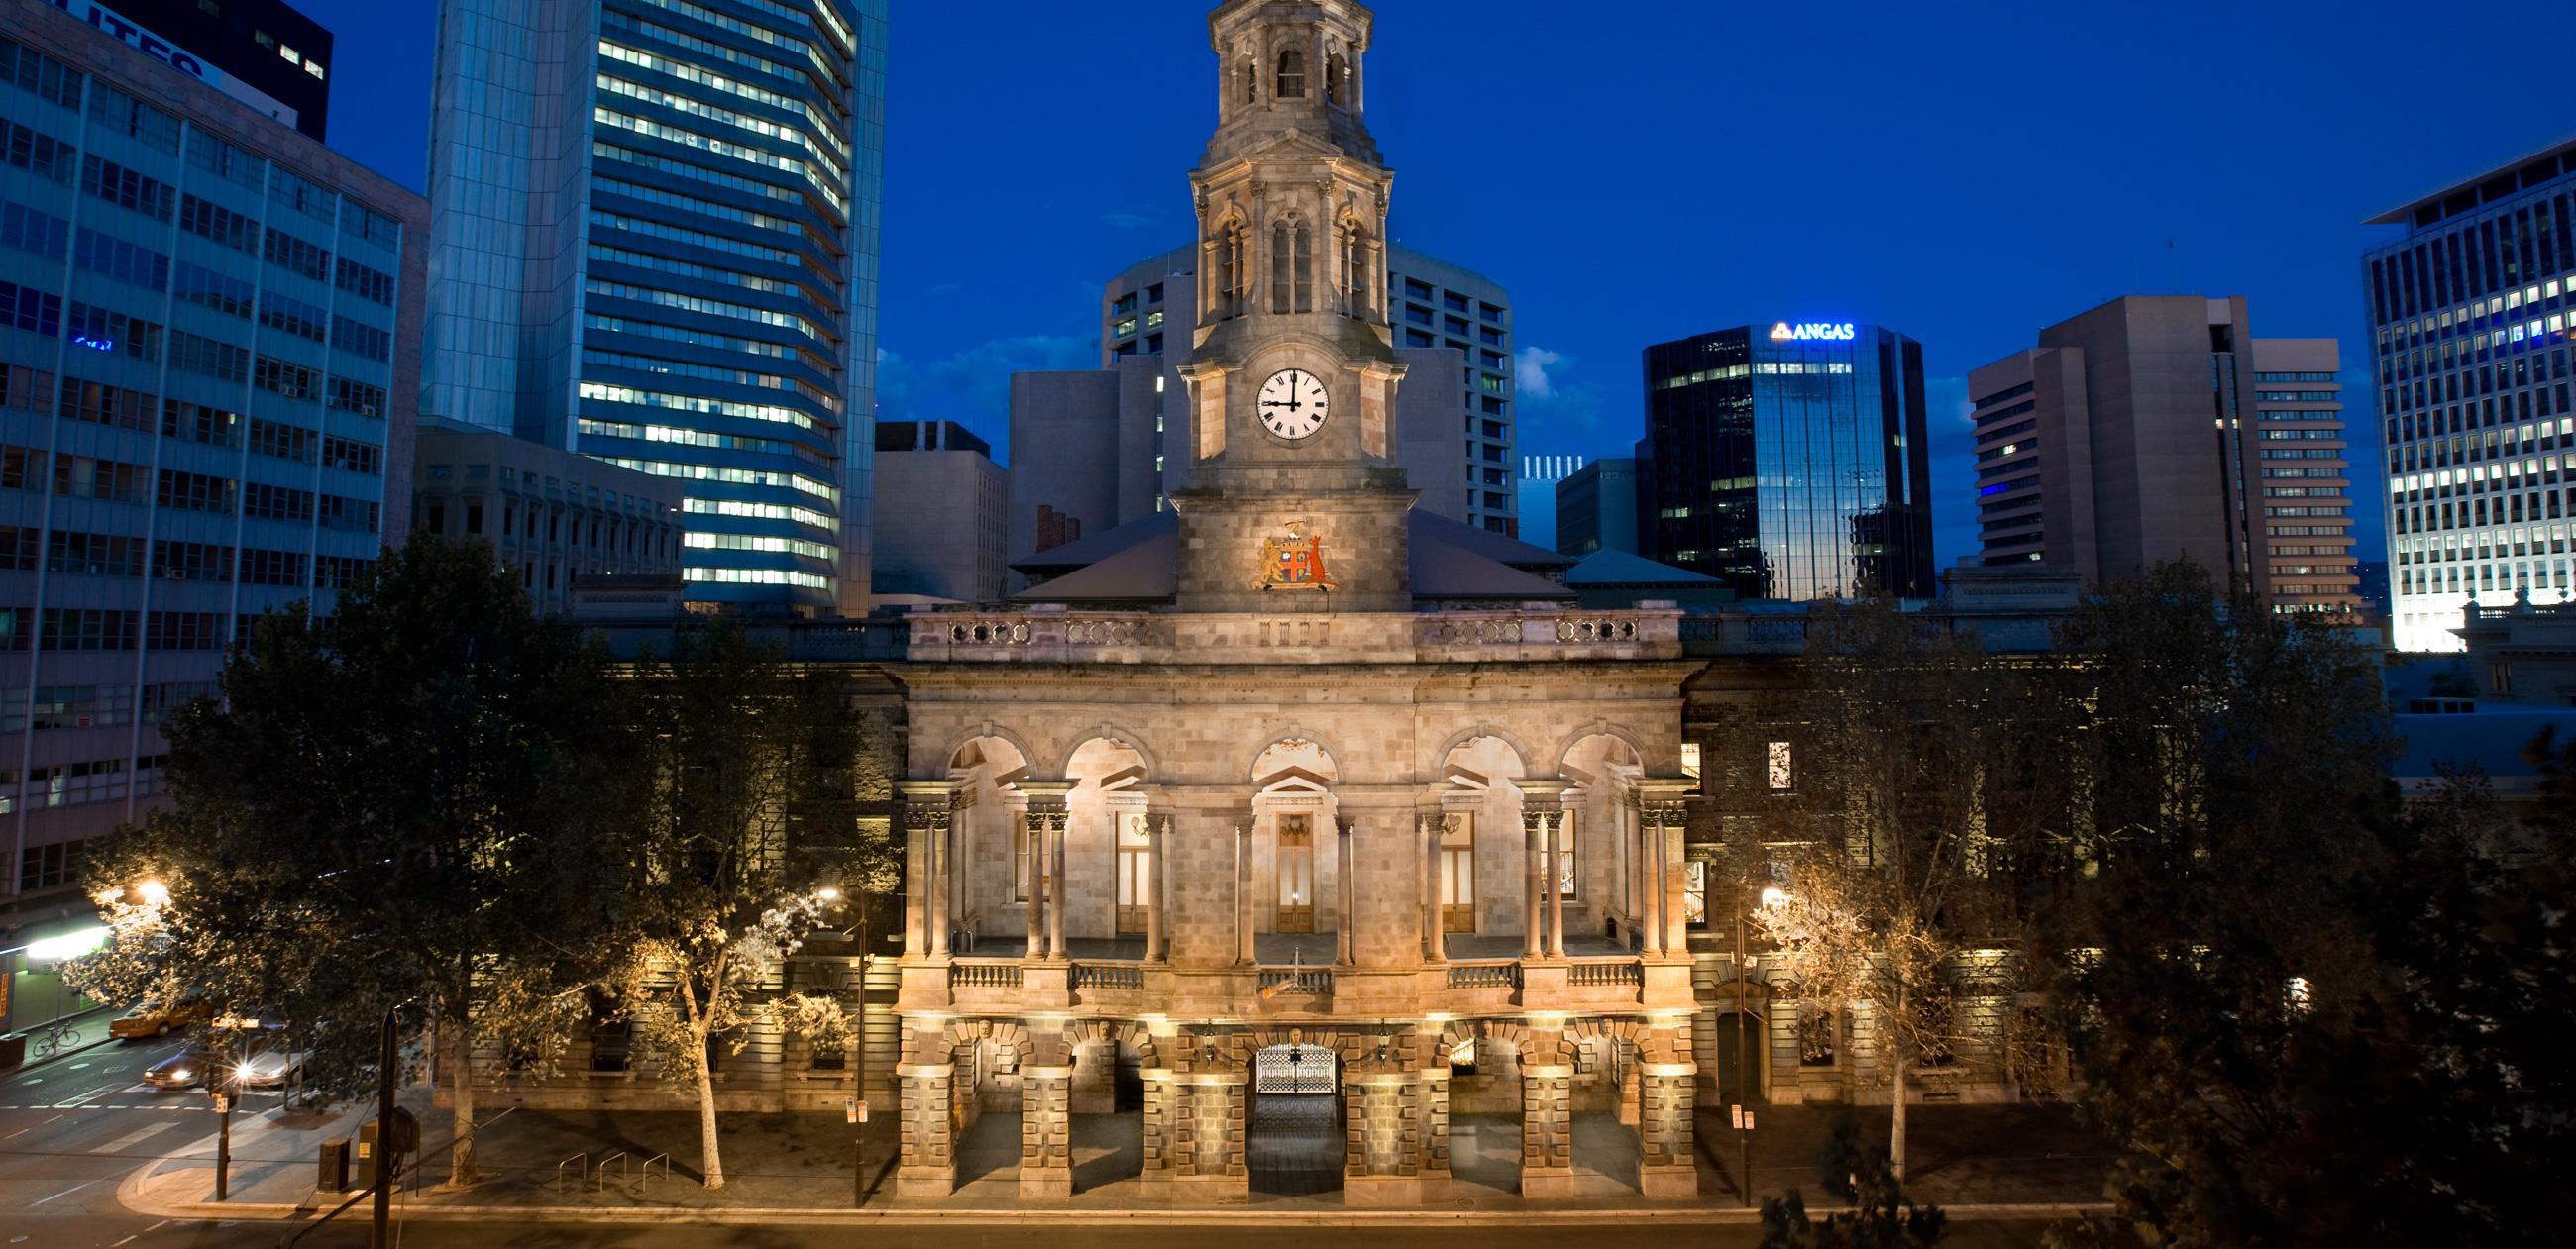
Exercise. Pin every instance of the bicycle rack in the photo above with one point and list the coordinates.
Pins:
(583, 1159)
(644, 1173)
(599, 1174)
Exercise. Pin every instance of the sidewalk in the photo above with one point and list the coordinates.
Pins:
(1978, 1162)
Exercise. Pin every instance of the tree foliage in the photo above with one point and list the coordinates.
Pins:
(739, 745)
(385, 809)
(1928, 798)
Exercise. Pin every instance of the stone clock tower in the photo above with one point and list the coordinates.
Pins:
(1296, 503)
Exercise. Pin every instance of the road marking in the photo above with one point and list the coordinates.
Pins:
(130, 1139)
(66, 1192)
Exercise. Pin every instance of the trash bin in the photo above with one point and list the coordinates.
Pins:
(334, 1177)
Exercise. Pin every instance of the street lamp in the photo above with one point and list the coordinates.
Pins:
(1772, 898)
(154, 894)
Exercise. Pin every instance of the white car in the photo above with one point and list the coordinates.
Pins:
(270, 1069)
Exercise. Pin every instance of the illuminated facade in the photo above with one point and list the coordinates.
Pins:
(1789, 460)
(2470, 315)
(654, 240)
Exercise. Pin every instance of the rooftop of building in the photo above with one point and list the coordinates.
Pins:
(930, 436)
(2503, 182)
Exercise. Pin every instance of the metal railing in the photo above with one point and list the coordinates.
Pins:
(599, 1174)
(580, 1163)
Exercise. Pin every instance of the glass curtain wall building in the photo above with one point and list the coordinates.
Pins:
(654, 233)
(2470, 315)
(208, 329)
(1790, 461)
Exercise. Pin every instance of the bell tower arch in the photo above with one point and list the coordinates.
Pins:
(1294, 376)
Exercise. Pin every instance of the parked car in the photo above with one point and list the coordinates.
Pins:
(155, 1019)
(186, 1070)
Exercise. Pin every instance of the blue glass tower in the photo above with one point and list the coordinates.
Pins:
(653, 239)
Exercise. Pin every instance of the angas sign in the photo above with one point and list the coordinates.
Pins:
(132, 34)
(1813, 332)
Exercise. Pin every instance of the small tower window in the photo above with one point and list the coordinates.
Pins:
(1292, 267)
(1251, 75)
(1353, 288)
(1337, 81)
(1282, 282)
(1292, 75)
(1227, 265)
(1305, 268)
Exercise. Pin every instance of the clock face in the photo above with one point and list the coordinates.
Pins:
(1293, 404)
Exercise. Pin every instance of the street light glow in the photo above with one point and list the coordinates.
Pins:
(1774, 898)
(828, 894)
(155, 894)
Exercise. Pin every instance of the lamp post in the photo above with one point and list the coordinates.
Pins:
(379, 1236)
(1743, 1083)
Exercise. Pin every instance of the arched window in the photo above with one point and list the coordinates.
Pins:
(1282, 282)
(1351, 288)
(1305, 268)
(1226, 265)
(1337, 80)
(1292, 75)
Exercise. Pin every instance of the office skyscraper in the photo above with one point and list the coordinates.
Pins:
(654, 240)
(209, 330)
(1790, 460)
(2470, 314)
(2157, 428)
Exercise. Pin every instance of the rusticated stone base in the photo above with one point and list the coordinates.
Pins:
(1668, 1183)
(1547, 1183)
(1380, 1192)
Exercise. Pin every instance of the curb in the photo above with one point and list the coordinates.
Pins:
(130, 1195)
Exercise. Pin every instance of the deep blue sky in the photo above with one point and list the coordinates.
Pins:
(1639, 170)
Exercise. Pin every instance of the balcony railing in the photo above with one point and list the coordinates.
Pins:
(1605, 973)
(1484, 975)
(1108, 976)
(984, 974)
(1279, 982)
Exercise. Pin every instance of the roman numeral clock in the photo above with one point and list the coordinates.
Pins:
(1294, 404)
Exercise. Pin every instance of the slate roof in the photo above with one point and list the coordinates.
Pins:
(1139, 563)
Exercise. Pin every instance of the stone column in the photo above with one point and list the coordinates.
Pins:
(1243, 954)
(1435, 943)
(1556, 851)
(1435, 1123)
(916, 897)
(1657, 900)
(929, 820)
(1162, 1110)
(926, 1157)
(1547, 1131)
(1534, 944)
(1058, 825)
(1158, 829)
(1346, 893)
(1383, 1138)
(1046, 1131)
(1033, 830)
(1668, 1162)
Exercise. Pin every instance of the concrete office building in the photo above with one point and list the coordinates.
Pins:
(2470, 312)
(550, 515)
(1601, 508)
(941, 507)
(654, 241)
(208, 362)
(2158, 428)
(260, 52)
(1104, 448)
(1791, 460)
(1537, 495)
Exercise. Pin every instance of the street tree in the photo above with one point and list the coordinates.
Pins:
(1926, 799)
(385, 810)
(714, 899)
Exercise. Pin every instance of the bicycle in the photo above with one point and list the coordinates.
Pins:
(54, 1040)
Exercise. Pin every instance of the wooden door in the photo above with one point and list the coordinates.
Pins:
(1296, 871)
(1458, 874)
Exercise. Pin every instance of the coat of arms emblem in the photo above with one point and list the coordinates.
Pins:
(1294, 561)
